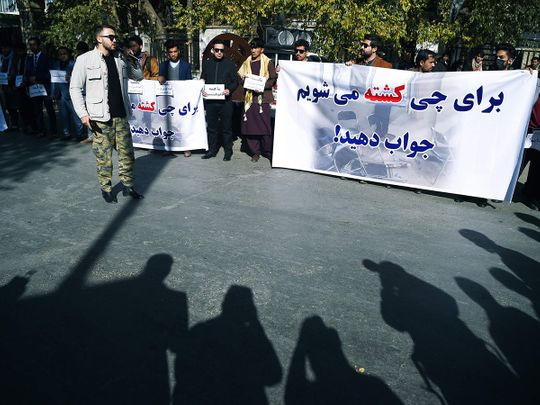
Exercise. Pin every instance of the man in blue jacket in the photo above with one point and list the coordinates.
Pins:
(174, 69)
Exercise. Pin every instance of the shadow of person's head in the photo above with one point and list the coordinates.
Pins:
(479, 239)
(157, 268)
(238, 305)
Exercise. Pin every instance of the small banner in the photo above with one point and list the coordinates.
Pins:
(166, 122)
(456, 132)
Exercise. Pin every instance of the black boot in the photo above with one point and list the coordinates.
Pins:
(109, 197)
(131, 192)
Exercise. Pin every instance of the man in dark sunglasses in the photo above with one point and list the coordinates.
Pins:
(219, 70)
(301, 49)
(368, 52)
(98, 89)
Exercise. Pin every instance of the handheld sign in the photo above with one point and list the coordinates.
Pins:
(214, 91)
(58, 76)
(164, 89)
(255, 83)
(135, 87)
(37, 90)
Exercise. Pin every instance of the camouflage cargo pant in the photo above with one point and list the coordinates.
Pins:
(107, 136)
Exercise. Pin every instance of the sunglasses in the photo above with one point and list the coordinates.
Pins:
(110, 36)
(300, 51)
(364, 45)
(219, 50)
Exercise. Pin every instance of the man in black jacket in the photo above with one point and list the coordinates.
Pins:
(219, 70)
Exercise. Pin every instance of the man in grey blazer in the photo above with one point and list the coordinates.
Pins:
(98, 89)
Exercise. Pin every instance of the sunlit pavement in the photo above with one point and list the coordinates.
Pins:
(381, 294)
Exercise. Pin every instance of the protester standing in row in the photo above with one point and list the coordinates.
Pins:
(60, 92)
(424, 61)
(8, 97)
(368, 52)
(174, 68)
(219, 70)
(148, 63)
(37, 73)
(256, 125)
(98, 89)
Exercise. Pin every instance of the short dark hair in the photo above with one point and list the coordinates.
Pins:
(256, 43)
(302, 42)
(172, 43)
(64, 48)
(99, 28)
(135, 38)
(82, 46)
(375, 40)
(219, 42)
(423, 55)
(535, 58)
(35, 39)
(508, 48)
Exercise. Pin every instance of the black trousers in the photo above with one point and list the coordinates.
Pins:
(532, 185)
(37, 109)
(219, 116)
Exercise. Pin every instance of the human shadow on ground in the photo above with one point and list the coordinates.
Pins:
(102, 344)
(228, 359)
(526, 274)
(21, 155)
(456, 366)
(531, 219)
(515, 333)
(319, 372)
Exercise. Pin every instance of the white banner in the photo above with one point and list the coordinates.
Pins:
(455, 132)
(166, 122)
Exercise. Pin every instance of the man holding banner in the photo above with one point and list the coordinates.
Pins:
(100, 74)
(220, 78)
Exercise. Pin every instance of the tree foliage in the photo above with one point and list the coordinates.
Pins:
(70, 21)
(339, 25)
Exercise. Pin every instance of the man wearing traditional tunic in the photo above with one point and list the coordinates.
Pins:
(256, 126)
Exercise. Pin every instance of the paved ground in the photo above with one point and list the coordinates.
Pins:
(248, 284)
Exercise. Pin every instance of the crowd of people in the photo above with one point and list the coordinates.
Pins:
(94, 106)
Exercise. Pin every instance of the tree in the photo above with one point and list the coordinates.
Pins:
(339, 25)
(70, 21)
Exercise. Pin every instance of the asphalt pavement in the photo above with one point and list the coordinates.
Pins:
(236, 283)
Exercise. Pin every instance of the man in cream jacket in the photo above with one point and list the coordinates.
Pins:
(98, 90)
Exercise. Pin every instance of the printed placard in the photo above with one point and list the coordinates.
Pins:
(37, 90)
(254, 82)
(214, 91)
(164, 89)
(3, 79)
(135, 87)
(18, 80)
(58, 76)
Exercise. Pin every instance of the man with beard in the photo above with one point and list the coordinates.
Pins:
(98, 89)
(149, 64)
(219, 70)
(424, 62)
(368, 52)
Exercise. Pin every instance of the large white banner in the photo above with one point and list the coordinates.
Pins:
(454, 132)
(168, 117)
